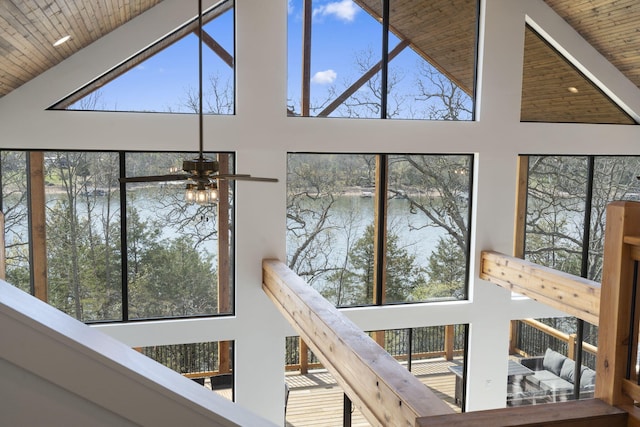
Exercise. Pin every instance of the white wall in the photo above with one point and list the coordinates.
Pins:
(58, 371)
(261, 134)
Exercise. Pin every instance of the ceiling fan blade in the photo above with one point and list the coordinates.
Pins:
(156, 178)
(249, 178)
(229, 176)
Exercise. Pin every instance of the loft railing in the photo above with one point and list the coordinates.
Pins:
(384, 391)
(613, 306)
(403, 344)
(530, 337)
(617, 377)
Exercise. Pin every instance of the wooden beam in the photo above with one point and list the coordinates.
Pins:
(571, 294)
(38, 225)
(216, 47)
(384, 391)
(362, 80)
(623, 219)
(520, 224)
(581, 413)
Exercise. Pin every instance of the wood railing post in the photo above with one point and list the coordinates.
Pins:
(224, 362)
(571, 346)
(513, 337)
(623, 219)
(304, 356)
(379, 338)
(449, 341)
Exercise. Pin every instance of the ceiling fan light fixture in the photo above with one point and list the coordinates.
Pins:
(190, 193)
(204, 194)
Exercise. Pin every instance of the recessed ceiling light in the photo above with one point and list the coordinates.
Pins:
(62, 40)
(572, 89)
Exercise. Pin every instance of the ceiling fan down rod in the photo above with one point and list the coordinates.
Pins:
(200, 109)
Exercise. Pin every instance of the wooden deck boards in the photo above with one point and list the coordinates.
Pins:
(316, 400)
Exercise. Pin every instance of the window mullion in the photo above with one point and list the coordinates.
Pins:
(124, 253)
(380, 227)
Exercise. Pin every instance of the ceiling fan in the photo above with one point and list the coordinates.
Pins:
(202, 173)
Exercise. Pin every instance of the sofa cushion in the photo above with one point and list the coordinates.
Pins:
(587, 378)
(556, 385)
(553, 361)
(540, 377)
(568, 370)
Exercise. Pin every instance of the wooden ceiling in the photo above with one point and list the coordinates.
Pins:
(441, 31)
(436, 29)
(28, 29)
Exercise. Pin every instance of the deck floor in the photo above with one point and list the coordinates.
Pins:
(316, 400)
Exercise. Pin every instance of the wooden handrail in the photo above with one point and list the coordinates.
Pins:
(581, 413)
(384, 391)
(555, 333)
(571, 294)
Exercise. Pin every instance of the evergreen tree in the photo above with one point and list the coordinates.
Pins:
(402, 274)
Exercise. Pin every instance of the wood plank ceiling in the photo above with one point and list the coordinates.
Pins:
(28, 29)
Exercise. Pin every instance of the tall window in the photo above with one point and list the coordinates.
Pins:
(565, 216)
(382, 59)
(163, 258)
(567, 198)
(375, 229)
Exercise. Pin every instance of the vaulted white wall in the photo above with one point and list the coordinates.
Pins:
(261, 134)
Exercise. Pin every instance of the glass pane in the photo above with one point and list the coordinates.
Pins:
(330, 224)
(83, 234)
(345, 45)
(434, 354)
(555, 211)
(167, 80)
(433, 77)
(15, 209)
(175, 265)
(614, 178)
(555, 91)
(546, 372)
(335, 70)
(208, 363)
(427, 227)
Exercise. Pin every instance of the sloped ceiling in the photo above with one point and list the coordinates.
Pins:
(28, 29)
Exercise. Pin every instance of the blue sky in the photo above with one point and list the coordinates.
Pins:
(341, 32)
(161, 82)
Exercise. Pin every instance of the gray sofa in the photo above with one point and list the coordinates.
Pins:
(554, 374)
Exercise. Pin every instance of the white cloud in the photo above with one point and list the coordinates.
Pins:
(344, 10)
(324, 77)
(289, 7)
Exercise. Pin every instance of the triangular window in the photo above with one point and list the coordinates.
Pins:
(362, 59)
(164, 76)
(555, 91)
